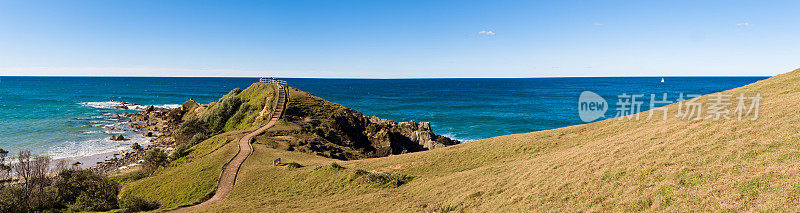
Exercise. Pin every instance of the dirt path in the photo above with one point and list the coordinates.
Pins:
(231, 170)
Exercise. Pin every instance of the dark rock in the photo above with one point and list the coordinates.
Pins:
(148, 134)
(117, 138)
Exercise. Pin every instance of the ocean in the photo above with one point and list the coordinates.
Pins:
(71, 116)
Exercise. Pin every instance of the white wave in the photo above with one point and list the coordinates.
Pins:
(102, 104)
(130, 106)
(463, 140)
(169, 106)
(85, 148)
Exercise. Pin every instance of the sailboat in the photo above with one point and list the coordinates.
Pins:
(662, 80)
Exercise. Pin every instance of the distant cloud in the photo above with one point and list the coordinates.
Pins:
(744, 24)
(487, 33)
(598, 24)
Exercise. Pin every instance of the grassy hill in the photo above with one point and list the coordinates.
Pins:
(610, 165)
(193, 178)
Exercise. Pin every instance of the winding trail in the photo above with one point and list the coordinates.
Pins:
(231, 169)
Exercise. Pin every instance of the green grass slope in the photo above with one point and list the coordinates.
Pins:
(193, 178)
(610, 165)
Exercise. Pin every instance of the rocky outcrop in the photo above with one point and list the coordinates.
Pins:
(156, 119)
(389, 137)
(335, 131)
(117, 138)
(376, 137)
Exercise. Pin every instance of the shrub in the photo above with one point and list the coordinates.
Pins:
(153, 159)
(360, 172)
(293, 165)
(5, 168)
(180, 151)
(193, 126)
(131, 203)
(381, 179)
(197, 138)
(240, 114)
(222, 111)
(336, 166)
(85, 190)
(130, 176)
(12, 199)
(86, 202)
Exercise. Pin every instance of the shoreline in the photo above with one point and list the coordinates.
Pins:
(110, 161)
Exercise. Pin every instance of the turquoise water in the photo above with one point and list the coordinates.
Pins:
(68, 116)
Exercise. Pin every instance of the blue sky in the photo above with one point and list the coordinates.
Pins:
(399, 39)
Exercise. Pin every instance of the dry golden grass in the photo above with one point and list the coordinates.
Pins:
(610, 165)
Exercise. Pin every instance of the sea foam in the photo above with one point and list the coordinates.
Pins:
(118, 105)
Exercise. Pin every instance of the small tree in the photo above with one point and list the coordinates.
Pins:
(5, 169)
(153, 159)
(33, 172)
(24, 169)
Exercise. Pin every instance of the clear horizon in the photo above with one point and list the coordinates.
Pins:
(116, 76)
(398, 39)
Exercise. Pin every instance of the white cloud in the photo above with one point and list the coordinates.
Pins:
(598, 24)
(744, 24)
(486, 33)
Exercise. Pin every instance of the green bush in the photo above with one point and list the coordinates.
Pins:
(192, 127)
(197, 138)
(383, 180)
(180, 151)
(293, 165)
(360, 172)
(12, 199)
(86, 202)
(222, 111)
(130, 176)
(336, 166)
(240, 114)
(153, 159)
(85, 190)
(131, 203)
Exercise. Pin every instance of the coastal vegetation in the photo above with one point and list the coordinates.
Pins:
(34, 189)
(201, 139)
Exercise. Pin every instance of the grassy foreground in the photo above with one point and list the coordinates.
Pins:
(193, 178)
(610, 165)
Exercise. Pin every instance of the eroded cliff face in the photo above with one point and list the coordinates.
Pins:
(376, 137)
(389, 137)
